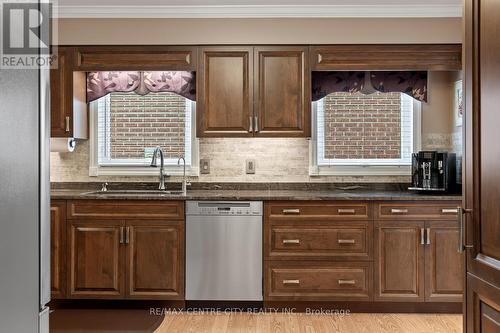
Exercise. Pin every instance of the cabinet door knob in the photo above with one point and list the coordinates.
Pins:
(122, 236)
(428, 236)
(291, 281)
(250, 128)
(127, 235)
(291, 241)
(422, 236)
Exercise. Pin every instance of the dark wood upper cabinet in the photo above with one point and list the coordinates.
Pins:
(58, 249)
(443, 263)
(225, 92)
(155, 261)
(68, 107)
(60, 103)
(92, 58)
(431, 57)
(282, 91)
(481, 165)
(399, 261)
(96, 259)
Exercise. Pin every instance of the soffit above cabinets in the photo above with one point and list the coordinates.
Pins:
(257, 8)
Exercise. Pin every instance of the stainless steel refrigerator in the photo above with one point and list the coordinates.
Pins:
(24, 201)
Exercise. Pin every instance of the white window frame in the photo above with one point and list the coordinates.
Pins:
(130, 167)
(360, 167)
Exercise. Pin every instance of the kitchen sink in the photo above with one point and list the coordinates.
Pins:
(135, 192)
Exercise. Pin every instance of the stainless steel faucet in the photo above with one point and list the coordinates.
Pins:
(185, 183)
(162, 166)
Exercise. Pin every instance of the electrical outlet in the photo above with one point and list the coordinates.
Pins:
(250, 167)
(204, 166)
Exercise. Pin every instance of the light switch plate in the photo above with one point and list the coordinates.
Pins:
(250, 167)
(204, 166)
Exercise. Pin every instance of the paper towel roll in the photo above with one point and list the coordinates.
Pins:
(62, 145)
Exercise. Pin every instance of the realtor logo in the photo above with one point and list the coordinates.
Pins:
(26, 34)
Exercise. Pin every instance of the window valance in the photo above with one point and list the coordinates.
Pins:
(412, 83)
(100, 84)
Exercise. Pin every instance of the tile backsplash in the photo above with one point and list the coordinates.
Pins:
(276, 160)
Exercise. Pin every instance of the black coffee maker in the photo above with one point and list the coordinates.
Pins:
(434, 171)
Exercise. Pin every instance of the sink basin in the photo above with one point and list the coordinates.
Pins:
(134, 192)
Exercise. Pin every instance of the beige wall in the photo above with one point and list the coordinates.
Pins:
(277, 160)
(260, 31)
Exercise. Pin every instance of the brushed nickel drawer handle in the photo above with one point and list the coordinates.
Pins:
(449, 210)
(350, 282)
(250, 128)
(291, 241)
(291, 211)
(291, 281)
(399, 211)
(346, 241)
(67, 124)
(346, 211)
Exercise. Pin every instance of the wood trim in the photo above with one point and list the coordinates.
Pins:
(366, 307)
(135, 57)
(126, 209)
(428, 57)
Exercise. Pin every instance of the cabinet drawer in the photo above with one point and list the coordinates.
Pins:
(293, 210)
(345, 241)
(321, 280)
(125, 209)
(425, 210)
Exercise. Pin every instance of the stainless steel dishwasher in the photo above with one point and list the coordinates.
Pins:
(224, 250)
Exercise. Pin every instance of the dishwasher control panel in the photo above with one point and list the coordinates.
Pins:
(214, 208)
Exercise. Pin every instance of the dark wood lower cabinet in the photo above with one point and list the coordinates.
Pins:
(96, 259)
(444, 267)
(58, 249)
(482, 306)
(399, 261)
(136, 258)
(155, 261)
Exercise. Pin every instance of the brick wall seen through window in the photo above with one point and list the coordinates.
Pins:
(356, 127)
(130, 126)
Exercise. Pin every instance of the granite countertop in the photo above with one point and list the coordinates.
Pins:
(295, 191)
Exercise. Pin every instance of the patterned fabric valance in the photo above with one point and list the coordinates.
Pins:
(100, 84)
(412, 83)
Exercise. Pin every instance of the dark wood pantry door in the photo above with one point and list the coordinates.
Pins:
(482, 165)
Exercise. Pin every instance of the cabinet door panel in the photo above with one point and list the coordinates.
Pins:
(58, 249)
(225, 92)
(282, 90)
(61, 92)
(444, 265)
(155, 262)
(96, 259)
(399, 262)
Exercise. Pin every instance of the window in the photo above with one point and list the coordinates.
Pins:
(127, 127)
(362, 134)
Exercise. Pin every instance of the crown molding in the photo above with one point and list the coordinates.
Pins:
(265, 11)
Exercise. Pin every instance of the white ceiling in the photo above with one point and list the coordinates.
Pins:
(259, 8)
